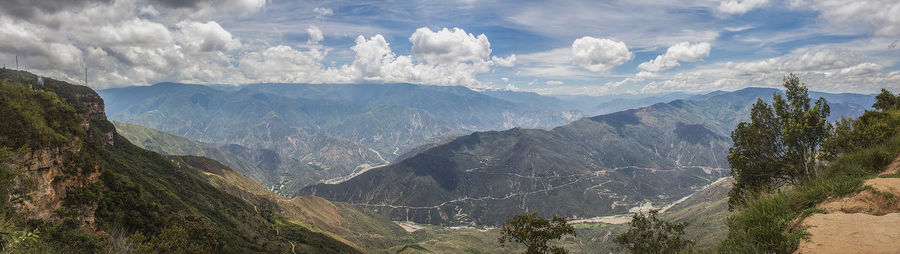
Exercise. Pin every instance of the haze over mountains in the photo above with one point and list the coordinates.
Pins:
(303, 134)
(592, 167)
(291, 136)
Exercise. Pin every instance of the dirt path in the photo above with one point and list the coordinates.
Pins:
(864, 222)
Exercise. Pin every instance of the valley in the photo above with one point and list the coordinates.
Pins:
(459, 127)
(303, 134)
(592, 167)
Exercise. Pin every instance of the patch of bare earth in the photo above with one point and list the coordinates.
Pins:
(865, 222)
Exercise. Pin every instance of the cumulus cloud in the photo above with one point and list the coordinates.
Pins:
(508, 61)
(740, 6)
(120, 44)
(553, 82)
(206, 37)
(599, 54)
(375, 61)
(315, 35)
(683, 51)
(28, 9)
(449, 46)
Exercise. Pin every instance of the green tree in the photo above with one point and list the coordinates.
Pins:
(886, 100)
(781, 143)
(873, 127)
(535, 232)
(649, 234)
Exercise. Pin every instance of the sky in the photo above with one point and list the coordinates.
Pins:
(576, 47)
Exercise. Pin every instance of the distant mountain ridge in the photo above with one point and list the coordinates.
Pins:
(303, 134)
(592, 167)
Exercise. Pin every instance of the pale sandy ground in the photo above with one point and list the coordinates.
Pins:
(409, 226)
(865, 222)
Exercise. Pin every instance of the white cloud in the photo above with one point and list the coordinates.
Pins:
(375, 61)
(121, 43)
(645, 75)
(554, 82)
(206, 37)
(283, 64)
(505, 79)
(740, 6)
(315, 35)
(683, 51)
(321, 12)
(508, 61)
(599, 54)
(449, 46)
(880, 17)
(822, 69)
(201, 8)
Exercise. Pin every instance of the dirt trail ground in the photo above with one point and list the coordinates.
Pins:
(864, 222)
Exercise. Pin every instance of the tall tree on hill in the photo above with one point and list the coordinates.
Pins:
(886, 100)
(535, 232)
(650, 234)
(781, 143)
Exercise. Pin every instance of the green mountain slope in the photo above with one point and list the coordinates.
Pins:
(83, 188)
(168, 144)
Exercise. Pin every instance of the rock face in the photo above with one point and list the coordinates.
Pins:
(47, 169)
(51, 169)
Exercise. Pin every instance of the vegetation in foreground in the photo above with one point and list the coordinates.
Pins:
(650, 234)
(535, 232)
(117, 197)
(766, 220)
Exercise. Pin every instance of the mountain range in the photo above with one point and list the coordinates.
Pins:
(595, 166)
(304, 134)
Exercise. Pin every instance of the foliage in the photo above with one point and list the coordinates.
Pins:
(34, 118)
(780, 144)
(886, 100)
(765, 223)
(149, 202)
(870, 129)
(649, 234)
(184, 234)
(535, 232)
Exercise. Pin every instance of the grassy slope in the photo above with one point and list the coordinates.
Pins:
(137, 190)
(359, 227)
(768, 223)
(170, 144)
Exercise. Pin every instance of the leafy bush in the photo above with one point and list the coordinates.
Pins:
(781, 143)
(767, 222)
(649, 234)
(535, 232)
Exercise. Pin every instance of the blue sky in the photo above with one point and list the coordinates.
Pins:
(549, 47)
